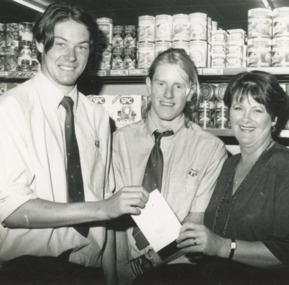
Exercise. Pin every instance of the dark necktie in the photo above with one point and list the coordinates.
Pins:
(152, 179)
(73, 171)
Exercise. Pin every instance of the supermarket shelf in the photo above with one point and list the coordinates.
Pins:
(139, 74)
(17, 74)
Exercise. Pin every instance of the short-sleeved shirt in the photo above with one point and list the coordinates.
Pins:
(33, 165)
(258, 210)
(192, 161)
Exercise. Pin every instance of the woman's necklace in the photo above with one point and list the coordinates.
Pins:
(233, 197)
(241, 172)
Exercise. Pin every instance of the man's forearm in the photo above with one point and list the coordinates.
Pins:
(39, 213)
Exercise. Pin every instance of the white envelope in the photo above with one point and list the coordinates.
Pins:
(158, 222)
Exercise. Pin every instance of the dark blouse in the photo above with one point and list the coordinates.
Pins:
(259, 209)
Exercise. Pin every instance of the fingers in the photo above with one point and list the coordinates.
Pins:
(134, 196)
(130, 199)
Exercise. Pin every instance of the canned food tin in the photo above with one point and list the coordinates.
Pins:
(146, 29)
(198, 26)
(209, 29)
(105, 25)
(259, 52)
(199, 53)
(234, 61)
(117, 58)
(236, 36)
(218, 61)
(24, 62)
(130, 30)
(220, 91)
(259, 23)
(34, 61)
(218, 49)
(161, 46)
(118, 35)
(12, 36)
(10, 62)
(163, 29)
(146, 55)
(129, 40)
(219, 37)
(281, 21)
(180, 27)
(215, 26)
(129, 61)
(235, 50)
(221, 116)
(280, 51)
(205, 115)
(2, 41)
(2, 61)
(207, 92)
(25, 31)
(105, 63)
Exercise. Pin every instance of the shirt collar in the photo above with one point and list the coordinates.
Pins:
(175, 126)
(51, 94)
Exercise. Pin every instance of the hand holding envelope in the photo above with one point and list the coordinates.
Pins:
(158, 222)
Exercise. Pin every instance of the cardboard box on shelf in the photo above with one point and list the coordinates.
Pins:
(122, 109)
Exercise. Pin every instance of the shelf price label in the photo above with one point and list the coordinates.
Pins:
(213, 71)
(138, 72)
(119, 72)
(102, 73)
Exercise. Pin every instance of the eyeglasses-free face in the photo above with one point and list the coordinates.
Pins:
(169, 88)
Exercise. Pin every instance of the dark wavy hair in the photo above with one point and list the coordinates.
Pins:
(43, 29)
(264, 89)
(181, 58)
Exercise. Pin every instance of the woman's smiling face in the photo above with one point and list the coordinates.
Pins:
(251, 123)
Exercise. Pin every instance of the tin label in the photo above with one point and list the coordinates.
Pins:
(146, 29)
(181, 27)
(164, 27)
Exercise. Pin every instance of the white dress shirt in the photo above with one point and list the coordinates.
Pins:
(33, 165)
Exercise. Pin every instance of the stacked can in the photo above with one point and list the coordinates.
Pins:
(280, 42)
(2, 37)
(206, 108)
(129, 45)
(163, 33)
(106, 27)
(221, 119)
(180, 32)
(198, 36)
(2, 45)
(218, 48)
(236, 49)
(146, 38)
(24, 61)
(259, 37)
(117, 48)
(11, 46)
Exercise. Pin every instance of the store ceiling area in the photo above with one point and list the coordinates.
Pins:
(230, 14)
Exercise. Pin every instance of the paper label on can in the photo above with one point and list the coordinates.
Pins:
(164, 28)
(180, 27)
(146, 29)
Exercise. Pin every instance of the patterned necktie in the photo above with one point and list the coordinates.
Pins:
(73, 171)
(152, 179)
